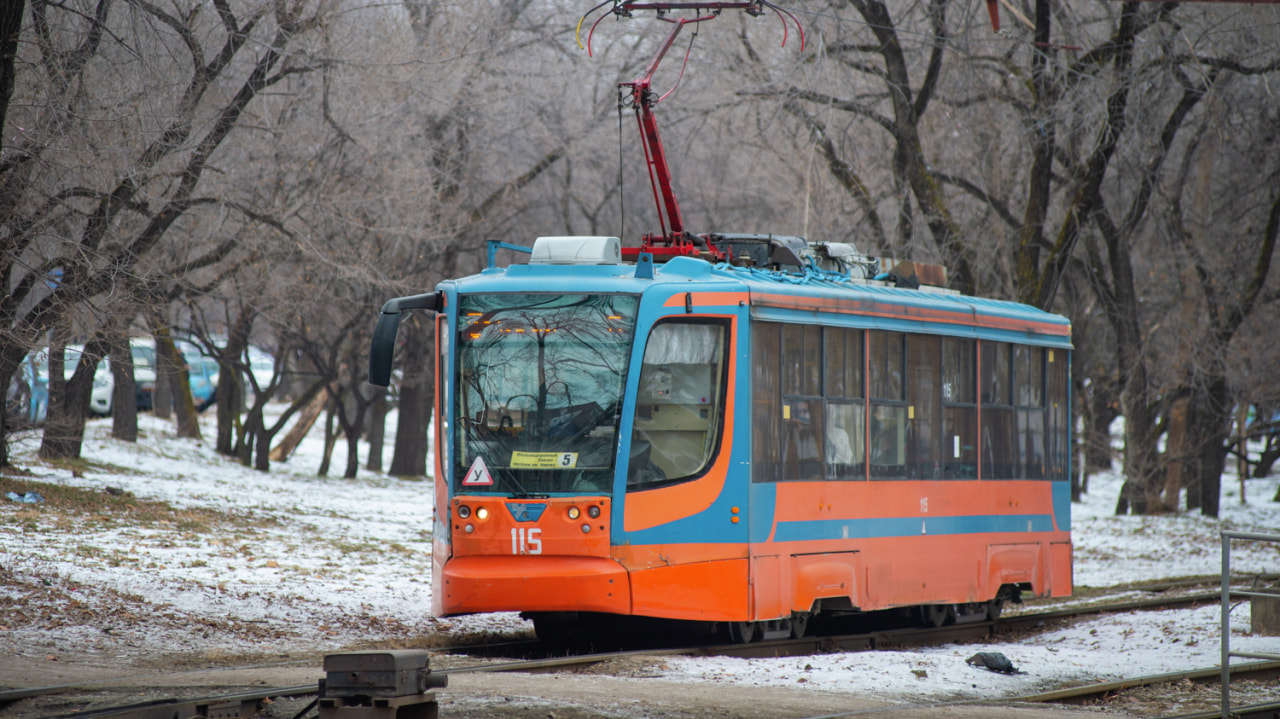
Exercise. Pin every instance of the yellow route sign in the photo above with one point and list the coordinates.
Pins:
(544, 460)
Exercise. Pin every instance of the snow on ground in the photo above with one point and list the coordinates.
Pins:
(263, 563)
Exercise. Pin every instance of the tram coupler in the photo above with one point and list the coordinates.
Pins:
(380, 684)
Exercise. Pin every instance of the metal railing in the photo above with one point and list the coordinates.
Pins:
(1227, 594)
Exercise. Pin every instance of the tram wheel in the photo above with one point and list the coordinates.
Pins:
(556, 633)
(743, 632)
(799, 624)
(994, 607)
(938, 615)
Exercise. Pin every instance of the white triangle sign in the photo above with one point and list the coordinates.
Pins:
(478, 475)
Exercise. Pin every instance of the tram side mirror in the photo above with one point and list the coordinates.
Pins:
(382, 349)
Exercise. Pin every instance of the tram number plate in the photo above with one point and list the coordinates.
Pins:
(544, 460)
(526, 541)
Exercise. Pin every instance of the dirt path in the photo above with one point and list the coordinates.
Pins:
(605, 692)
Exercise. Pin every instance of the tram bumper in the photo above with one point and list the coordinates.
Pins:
(535, 584)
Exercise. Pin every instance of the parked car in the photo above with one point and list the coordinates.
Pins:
(35, 373)
(202, 372)
(28, 393)
(27, 399)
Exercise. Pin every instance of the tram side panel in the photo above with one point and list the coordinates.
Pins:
(888, 542)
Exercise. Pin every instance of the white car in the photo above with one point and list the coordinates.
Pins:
(100, 398)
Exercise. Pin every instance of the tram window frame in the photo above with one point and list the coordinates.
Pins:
(766, 401)
(1058, 415)
(999, 446)
(844, 380)
(803, 409)
(924, 405)
(637, 478)
(1029, 398)
(887, 415)
(959, 408)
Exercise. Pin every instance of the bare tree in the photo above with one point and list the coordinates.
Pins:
(93, 201)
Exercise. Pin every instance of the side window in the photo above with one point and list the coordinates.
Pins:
(960, 409)
(1028, 379)
(887, 452)
(1058, 434)
(766, 389)
(803, 453)
(999, 432)
(924, 407)
(845, 419)
(680, 403)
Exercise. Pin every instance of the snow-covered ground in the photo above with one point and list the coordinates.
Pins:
(300, 563)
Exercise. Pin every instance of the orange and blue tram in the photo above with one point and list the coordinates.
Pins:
(800, 431)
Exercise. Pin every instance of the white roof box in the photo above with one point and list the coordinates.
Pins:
(577, 250)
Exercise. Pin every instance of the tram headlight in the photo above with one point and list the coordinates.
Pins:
(469, 528)
(586, 529)
(464, 511)
(574, 513)
(482, 513)
(593, 511)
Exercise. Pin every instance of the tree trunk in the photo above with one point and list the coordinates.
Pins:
(353, 451)
(377, 429)
(262, 450)
(417, 398)
(10, 29)
(171, 362)
(1141, 490)
(247, 443)
(330, 439)
(1270, 453)
(162, 394)
(124, 398)
(10, 359)
(231, 398)
(1211, 427)
(351, 414)
(1101, 409)
(1181, 454)
(64, 430)
(282, 451)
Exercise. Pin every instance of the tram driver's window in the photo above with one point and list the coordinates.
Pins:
(680, 403)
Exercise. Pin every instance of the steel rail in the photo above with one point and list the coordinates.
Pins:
(1209, 675)
(1265, 710)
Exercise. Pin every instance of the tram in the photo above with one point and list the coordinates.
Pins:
(742, 430)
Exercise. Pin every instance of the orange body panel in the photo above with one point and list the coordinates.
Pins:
(878, 572)
(553, 533)
(648, 556)
(535, 583)
(706, 591)
(821, 576)
(709, 299)
(801, 501)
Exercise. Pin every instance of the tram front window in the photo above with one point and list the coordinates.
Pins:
(539, 391)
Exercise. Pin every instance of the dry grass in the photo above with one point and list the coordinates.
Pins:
(109, 508)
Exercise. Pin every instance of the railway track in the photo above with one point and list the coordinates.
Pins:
(234, 705)
(866, 641)
(246, 703)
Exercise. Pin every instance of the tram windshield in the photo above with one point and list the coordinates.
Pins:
(539, 391)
